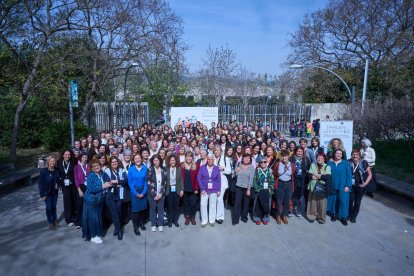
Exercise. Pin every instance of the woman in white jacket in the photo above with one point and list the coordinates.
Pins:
(224, 164)
(368, 154)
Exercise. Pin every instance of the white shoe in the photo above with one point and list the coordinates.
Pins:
(96, 240)
(160, 229)
(70, 224)
(153, 228)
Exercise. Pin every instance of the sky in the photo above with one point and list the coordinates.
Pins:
(256, 30)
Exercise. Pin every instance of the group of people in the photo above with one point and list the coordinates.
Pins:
(144, 174)
(304, 128)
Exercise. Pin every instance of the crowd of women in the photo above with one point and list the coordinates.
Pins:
(144, 175)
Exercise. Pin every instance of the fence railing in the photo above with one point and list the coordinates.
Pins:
(106, 116)
(277, 116)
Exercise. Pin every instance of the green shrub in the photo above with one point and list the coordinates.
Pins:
(56, 136)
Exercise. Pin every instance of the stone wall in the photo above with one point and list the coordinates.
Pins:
(335, 111)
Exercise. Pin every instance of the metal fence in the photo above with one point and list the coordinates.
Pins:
(105, 116)
(277, 116)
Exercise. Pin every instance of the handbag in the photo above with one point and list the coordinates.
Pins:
(319, 189)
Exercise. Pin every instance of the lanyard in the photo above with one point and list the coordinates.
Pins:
(66, 168)
(354, 167)
(115, 174)
(100, 177)
(265, 173)
(84, 170)
(210, 172)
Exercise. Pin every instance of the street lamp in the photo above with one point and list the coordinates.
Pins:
(300, 66)
(132, 64)
(267, 99)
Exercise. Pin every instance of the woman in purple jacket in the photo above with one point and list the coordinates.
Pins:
(209, 180)
(81, 171)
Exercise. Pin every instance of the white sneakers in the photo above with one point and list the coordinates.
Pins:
(154, 228)
(70, 224)
(96, 239)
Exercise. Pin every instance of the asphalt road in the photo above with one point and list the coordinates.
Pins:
(380, 243)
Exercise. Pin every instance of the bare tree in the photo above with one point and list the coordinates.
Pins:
(246, 88)
(219, 66)
(32, 23)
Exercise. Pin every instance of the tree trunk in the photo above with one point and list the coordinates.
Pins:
(91, 98)
(15, 131)
(24, 97)
(85, 110)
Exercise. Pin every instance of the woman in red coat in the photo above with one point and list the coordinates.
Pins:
(189, 171)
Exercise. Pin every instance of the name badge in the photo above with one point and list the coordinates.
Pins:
(173, 189)
(353, 181)
(112, 190)
(210, 186)
(266, 185)
(121, 193)
(67, 182)
(300, 172)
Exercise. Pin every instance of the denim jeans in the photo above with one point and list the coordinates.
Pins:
(50, 203)
(283, 194)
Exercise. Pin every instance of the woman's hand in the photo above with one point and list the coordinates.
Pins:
(44, 197)
(140, 195)
(218, 194)
(106, 185)
(196, 192)
(346, 189)
(248, 192)
(203, 193)
(80, 193)
(181, 194)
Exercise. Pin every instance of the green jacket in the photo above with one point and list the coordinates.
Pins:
(262, 176)
(314, 171)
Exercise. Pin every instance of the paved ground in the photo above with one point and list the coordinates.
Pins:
(380, 243)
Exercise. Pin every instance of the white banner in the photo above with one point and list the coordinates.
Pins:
(190, 115)
(337, 129)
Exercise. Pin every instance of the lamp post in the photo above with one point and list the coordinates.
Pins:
(265, 118)
(300, 66)
(132, 64)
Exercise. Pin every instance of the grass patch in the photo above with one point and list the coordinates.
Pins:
(25, 157)
(393, 159)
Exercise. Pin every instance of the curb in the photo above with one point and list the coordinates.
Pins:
(395, 186)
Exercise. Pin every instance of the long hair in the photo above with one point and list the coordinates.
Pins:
(340, 144)
(193, 164)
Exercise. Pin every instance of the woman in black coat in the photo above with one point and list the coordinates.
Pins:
(48, 190)
(67, 182)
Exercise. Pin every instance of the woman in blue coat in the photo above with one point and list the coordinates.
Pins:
(96, 182)
(48, 190)
(138, 186)
(338, 202)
